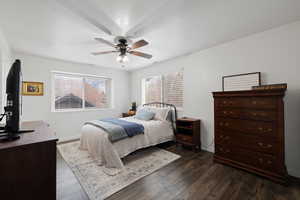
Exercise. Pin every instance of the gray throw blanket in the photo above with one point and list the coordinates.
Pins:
(115, 132)
(118, 129)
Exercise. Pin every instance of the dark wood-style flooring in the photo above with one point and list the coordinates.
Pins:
(193, 176)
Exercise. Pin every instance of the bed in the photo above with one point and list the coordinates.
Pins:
(108, 154)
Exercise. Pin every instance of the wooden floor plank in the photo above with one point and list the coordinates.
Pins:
(192, 177)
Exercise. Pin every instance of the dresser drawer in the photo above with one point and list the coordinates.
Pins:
(264, 115)
(255, 128)
(254, 159)
(252, 143)
(184, 138)
(247, 102)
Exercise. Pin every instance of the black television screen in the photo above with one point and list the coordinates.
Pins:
(13, 87)
(13, 106)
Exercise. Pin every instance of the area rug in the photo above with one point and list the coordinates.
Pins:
(99, 185)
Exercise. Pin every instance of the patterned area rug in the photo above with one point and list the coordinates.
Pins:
(99, 185)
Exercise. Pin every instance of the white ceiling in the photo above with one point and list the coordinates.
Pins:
(65, 29)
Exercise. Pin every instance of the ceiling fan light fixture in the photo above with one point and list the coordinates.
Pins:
(123, 48)
(125, 58)
(122, 58)
(119, 58)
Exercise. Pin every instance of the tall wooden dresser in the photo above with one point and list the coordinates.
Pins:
(249, 131)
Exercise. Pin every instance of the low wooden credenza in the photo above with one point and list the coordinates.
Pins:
(249, 131)
(28, 165)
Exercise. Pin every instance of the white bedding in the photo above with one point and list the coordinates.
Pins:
(96, 142)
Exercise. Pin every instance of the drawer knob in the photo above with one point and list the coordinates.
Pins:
(260, 128)
(225, 112)
(254, 102)
(260, 144)
(224, 138)
(254, 114)
(263, 114)
(269, 162)
(265, 146)
(223, 150)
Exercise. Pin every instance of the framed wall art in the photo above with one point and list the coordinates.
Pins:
(32, 88)
(241, 81)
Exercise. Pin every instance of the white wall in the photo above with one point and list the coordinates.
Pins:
(5, 62)
(68, 124)
(275, 53)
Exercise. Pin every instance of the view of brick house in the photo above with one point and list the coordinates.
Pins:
(69, 93)
(168, 88)
(95, 93)
(153, 89)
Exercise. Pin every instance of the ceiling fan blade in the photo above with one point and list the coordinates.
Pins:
(105, 42)
(103, 52)
(137, 53)
(155, 18)
(139, 44)
(91, 13)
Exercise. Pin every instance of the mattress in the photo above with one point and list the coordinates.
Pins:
(95, 141)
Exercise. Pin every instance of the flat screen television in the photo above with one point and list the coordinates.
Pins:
(13, 106)
(13, 86)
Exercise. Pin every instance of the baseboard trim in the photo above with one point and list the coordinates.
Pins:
(207, 149)
(294, 179)
(293, 172)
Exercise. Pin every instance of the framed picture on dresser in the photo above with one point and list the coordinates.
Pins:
(239, 82)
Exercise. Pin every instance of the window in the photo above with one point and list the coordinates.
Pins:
(152, 91)
(68, 92)
(96, 92)
(173, 89)
(167, 88)
(72, 91)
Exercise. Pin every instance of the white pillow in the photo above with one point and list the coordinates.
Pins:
(160, 113)
(141, 107)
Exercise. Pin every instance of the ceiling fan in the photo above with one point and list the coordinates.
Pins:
(122, 46)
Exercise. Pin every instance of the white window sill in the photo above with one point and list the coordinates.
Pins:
(81, 110)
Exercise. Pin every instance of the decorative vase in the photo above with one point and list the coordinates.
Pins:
(133, 106)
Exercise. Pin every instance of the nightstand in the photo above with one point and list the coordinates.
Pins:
(188, 132)
(127, 114)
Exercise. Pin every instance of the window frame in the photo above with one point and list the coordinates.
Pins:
(143, 100)
(162, 77)
(79, 75)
